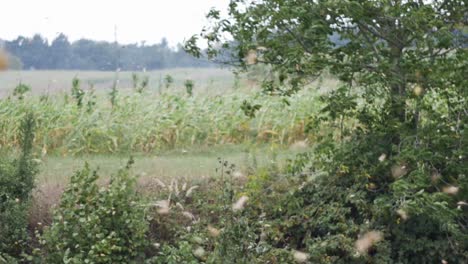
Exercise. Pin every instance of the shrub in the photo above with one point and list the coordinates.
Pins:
(181, 253)
(97, 225)
(417, 221)
(16, 184)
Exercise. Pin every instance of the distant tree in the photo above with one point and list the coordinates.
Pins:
(60, 53)
(84, 54)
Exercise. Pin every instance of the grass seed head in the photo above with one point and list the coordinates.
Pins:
(190, 191)
(164, 206)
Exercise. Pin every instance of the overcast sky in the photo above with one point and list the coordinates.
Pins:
(136, 20)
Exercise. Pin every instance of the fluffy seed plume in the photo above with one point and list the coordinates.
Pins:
(365, 242)
(163, 205)
(402, 213)
(418, 90)
(300, 257)
(240, 204)
(399, 171)
(382, 157)
(212, 231)
(451, 190)
(299, 145)
(181, 207)
(199, 253)
(238, 175)
(160, 183)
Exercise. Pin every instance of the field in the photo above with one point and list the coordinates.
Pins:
(171, 134)
(343, 141)
(214, 142)
(214, 80)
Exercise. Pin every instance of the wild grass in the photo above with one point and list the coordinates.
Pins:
(149, 122)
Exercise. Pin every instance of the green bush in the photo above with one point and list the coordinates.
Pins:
(97, 225)
(16, 184)
(418, 221)
(181, 253)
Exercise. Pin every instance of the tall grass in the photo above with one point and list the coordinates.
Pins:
(149, 122)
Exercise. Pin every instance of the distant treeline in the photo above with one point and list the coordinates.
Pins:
(84, 54)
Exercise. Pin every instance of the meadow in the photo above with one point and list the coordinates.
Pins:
(51, 82)
(171, 134)
(153, 123)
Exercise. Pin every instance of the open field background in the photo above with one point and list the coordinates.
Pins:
(171, 134)
(211, 80)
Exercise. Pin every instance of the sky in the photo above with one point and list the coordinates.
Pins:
(135, 20)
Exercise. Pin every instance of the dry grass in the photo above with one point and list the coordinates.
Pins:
(45, 198)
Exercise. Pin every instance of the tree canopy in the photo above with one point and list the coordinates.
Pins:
(401, 111)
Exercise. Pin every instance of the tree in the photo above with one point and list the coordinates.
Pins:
(84, 54)
(402, 170)
(60, 53)
(387, 46)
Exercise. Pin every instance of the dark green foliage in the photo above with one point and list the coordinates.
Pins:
(189, 84)
(139, 86)
(77, 93)
(97, 225)
(20, 90)
(16, 183)
(114, 93)
(249, 109)
(181, 253)
(168, 81)
(399, 166)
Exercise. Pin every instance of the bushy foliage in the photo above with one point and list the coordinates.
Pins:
(389, 184)
(97, 224)
(16, 183)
